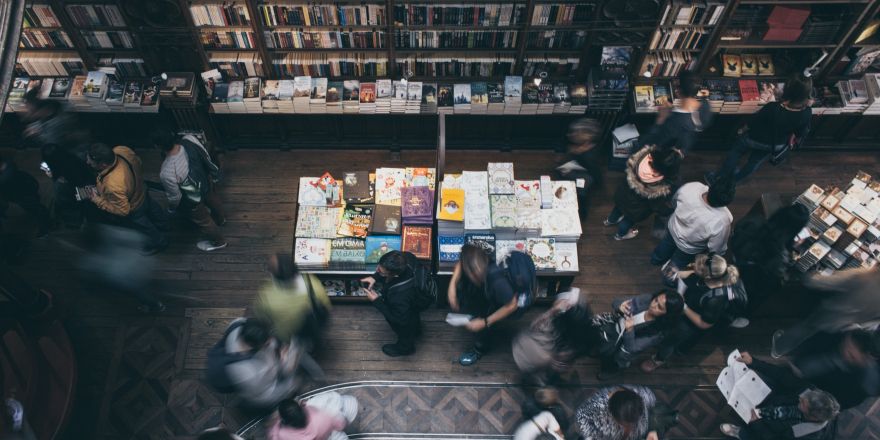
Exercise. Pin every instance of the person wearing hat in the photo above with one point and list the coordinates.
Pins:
(713, 293)
(583, 159)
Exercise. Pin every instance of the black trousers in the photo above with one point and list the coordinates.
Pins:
(472, 301)
(407, 333)
(147, 219)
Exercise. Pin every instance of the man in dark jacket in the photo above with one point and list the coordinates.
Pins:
(392, 291)
(678, 127)
(67, 172)
(792, 410)
(22, 189)
(845, 365)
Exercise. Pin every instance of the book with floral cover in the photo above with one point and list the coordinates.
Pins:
(503, 211)
(501, 178)
(560, 223)
(542, 251)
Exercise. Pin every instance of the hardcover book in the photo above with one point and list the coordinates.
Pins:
(368, 93)
(419, 177)
(386, 220)
(417, 240)
(334, 92)
(150, 95)
(542, 251)
(417, 205)
(483, 241)
(356, 186)
(513, 87)
(319, 191)
(503, 248)
(449, 247)
(61, 87)
(95, 84)
(351, 90)
(348, 250)
(311, 252)
(445, 94)
(503, 211)
(389, 181)
(495, 92)
(644, 98)
(132, 96)
(236, 92)
(379, 245)
(302, 87)
(560, 223)
(317, 221)
(500, 177)
(566, 257)
(252, 89)
(765, 64)
(662, 97)
(749, 64)
(451, 204)
(564, 195)
(115, 92)
(355, 221)
(479, 93)
(732, 65)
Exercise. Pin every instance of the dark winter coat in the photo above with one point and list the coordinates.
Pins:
(638, 200)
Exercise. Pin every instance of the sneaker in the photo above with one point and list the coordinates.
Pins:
(207, 246)
(649, 365)
(608, 222)
(730, 430)
(774, 352)
(469, 358)
(629, 235)
(740, 322)
(394, 350)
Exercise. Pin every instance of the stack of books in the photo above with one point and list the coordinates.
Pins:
(495, 94)
(855, 95)
(334, 97)
(529, 99)
(413, 97)
(251, 97)
(445, 99)
(351, 93)
(398, 100)
(318, 96)
(302, 93)
(384, 92)
(479, 98)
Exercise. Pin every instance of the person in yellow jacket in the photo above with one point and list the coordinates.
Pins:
(120, 194)
(296, 304)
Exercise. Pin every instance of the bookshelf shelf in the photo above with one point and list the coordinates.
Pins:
(291, 49)
(802, 2)
(770, 45)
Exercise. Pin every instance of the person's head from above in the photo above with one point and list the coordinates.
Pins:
(474, 263)
(292, 413)
(163, 139)
(626, 408)
(583, 135)
(392, 264)
(665, 303)
(666, 162)
(255, 334)
(714, 269)
(797, 92)
(818, 406)
(721, 192)
(786, 222)
(547, 396)
(282, 267)
(100, 156)
(218, 434)
(688, 84)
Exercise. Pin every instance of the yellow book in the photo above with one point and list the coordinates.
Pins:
(451, 204)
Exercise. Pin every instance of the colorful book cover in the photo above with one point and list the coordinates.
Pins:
(317, 221)
(429, 93)
(355, 221)
(732, 65)
(662, 97)
(311, 252)
(462, 94)
(386, 220)
(351, 90)
(749, 64)
(530, 93)
(149, 96)
(451, 204)
(379, 245)
(115, 93)
(389, 181)
(417, 240)
(96, 81)
(765, 64)
(252, 88)
(348, 250)
(319, 191)
(644, 97)
(419, 177)
(513, 89)
(417, 203)
(368, 93)
(566, 257)
(449, 247)
(545, 93)
(542, 251)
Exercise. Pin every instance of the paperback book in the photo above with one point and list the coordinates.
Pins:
(311, 252)
(486, 242)
(386, 220)
(449, 247)
(355, 221)
(379, 245)
(347, 250)
(542, 251)
(501, 179)
(417, 205)
(389, 181)
(417, 240)
(356, 186)
(451, 204)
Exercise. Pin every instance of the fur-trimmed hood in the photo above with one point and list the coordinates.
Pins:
(654, 190)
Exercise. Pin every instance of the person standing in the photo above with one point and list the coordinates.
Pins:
(121, 195)
(700, 223)
(291, 302)
(677, 128)
(392, 291)
(582, 161)
(650, 178)
(22, 189)
(188, 176)
(770, 130)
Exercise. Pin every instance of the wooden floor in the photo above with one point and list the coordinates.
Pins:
(139, 375)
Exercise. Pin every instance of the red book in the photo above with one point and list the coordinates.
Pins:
(782, 34)
(417, 239)
(788, 16)
(748, 89)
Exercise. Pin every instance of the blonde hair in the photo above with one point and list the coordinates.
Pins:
(711, 267)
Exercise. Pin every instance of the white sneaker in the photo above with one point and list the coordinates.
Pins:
(740, 322)
(730, 430)
(629, 235)
(207, 246)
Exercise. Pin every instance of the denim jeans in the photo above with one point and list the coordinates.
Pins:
(667, 250)
(624, 225)
(758, 154)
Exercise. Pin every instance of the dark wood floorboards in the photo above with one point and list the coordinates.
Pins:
(139, 375)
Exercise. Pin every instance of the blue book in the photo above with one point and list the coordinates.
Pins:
(449, 247)
(378, 245)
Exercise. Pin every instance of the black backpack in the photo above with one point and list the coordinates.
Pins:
(736, 296)
(219, 359)
(521, 273)
(423, 281)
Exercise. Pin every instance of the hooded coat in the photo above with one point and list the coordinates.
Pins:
(636, 199)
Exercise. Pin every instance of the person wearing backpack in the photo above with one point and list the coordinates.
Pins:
(489, 293)
(291, 302)
(393, 291)
(188, 176)
(713, 295)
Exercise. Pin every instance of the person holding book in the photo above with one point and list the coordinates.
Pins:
(700, 223)
(393, 292)
(635, 325)
(481, 289)
(677, 127)
(583, 159)
(793, 410)
(188, 176)
(121, 197)
(22, 189)
(650, 177)
(777, 126)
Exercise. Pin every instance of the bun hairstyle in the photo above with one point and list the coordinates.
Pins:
(714, 267)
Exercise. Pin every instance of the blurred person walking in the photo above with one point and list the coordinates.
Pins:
(583, 160)
(22, 189)
(291, 302)
(67, 172)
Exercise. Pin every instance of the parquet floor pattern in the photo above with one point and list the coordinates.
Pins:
(140, 375)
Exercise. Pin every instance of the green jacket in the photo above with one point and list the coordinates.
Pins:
(286, 307)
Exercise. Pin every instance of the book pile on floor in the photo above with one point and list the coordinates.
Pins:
(98, 91)
(349, 223)
(844, 226)
(493, 210)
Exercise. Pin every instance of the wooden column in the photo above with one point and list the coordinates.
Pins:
(79, 43)
(869, 10)
(259, 32)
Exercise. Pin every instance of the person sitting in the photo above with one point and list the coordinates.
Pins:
(306, 421)
(650, 176)
(792, 410)
(844, 364)
(555, 338)
(481, 289)
(624, 412)
(636, 324)
(22, 189)
(291, 302)
(700, 223)
(392, 291)
(713, 293)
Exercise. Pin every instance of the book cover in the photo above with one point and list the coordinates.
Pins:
(368, 93)
(451, 204)
(351, 90)
(765, 64)
(644, 97)
(748, 89)
(236, 92)
(417, 240)
(542, 251)
(565, 195)
(429, 93)
(560, 223)
(732, 65)
(485, 242)
(348, 250)
(319, 90)
(566, 257)
(462, 94)
(495, 92)
(334, 92)
(389, 181)
(445, 94)
(311, 252)
(417, 204)
(449, 247)
(419, 177)
(400, 90)
(115, 92)
(513, 86)
(317, 221)
(545, 93)
(503, 248)
(501, 179)
(302, 86)
(379, 245)
(356, 186)
(386, 220)
(749, 64)
(579, 95)
(355, 221)
(503, 211)
(414, 91)
(479, 93)
(560, 92)
(150, 95)
(252, 89)
(60, 87)
(95, 83)
(529, 93)
(662, 96)
(384, 89)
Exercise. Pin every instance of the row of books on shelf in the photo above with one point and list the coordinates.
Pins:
(215, 14)
(569, 40)
(667, 64)
(843, 230)
(466, 66)
(95, 15)
(669, 39)
(455, 39)
(108, 39)
(50, 64)
(322, 15)
(696, 13)
(291, 65)
(95, 92)
(325, 40)
(43, 39)
(509, 14)
(748, 64)
(39, 16)
(228, 40)
(237, 64)
(562, 14)
(305, 94)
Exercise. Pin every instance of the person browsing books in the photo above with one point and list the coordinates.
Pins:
(677, 128)
(481, 289)
(582, 162)
(393, 292)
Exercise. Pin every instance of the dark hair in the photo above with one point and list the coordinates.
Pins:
(721, 192)
(688, 84)
(572, 328)
(474, 261)
(292, 413)
(285, 269)
(545, 436)
(785, 224)
(217, 434)
(164, 139)
(394, 262)
(102, 154)
(674, 307)
(626, 407)
(667, 162)
(797, 90)
(255, 333)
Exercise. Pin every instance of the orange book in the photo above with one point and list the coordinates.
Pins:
(451, 204)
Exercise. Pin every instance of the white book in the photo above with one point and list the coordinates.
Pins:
(458, 319)
(500, 177)
(565, 195)
(566, 257)
(743, 389)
